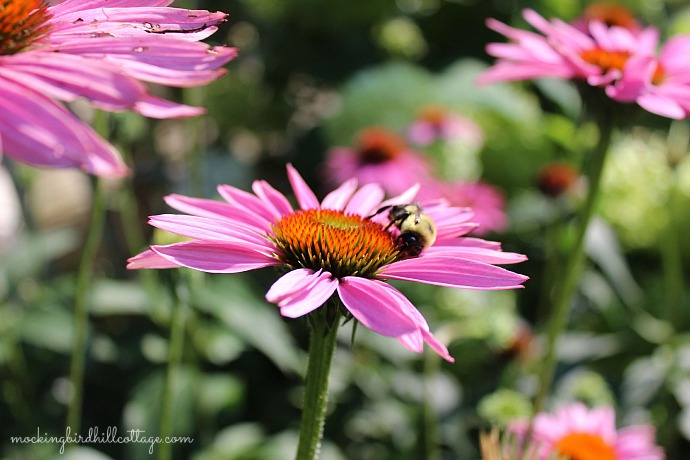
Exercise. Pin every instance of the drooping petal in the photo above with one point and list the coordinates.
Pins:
(217, 210)
(215, 257)
(203, 228)
(373, 305)
(301, 291)
(37, 131)
(149, 259)
(246, 201)
(443, 270)
(305, 196)
(155, 107)
(477, 254)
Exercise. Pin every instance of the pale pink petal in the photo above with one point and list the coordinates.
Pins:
(405, 197)
(305, 196)
(366, 200)
(246, 201)
(301, 291)
(155, 107)
(149, 259)
(81, 5)
(487, 256)
(182, 24)
(451, 271)
(203, 228)
(215, 257)
(339, 197)
(373, 305)
(275, 200)
(217, 210)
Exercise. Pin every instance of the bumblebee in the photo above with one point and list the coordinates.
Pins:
(417, 229)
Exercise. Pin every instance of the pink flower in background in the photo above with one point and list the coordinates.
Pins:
(659, 85)
(328, 247)
(562, 51)
(381, 156)
(611, 14)
(436, 123)
(102, 51)
(486, 202)
(580, 433)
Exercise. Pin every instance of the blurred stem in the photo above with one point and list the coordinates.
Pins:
(81, 313)
(195, 96)
(177, 327)
(671, 260)
(324, 331)
(567, 281)
(431, 431)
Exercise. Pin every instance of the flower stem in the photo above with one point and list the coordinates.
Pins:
(321, 348)
(565, 288)
(177, 327)
(81, 313)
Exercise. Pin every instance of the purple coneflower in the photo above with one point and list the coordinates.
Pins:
(436, 123)
(102, 51)
(577, 432)
(331, 247)
(380, 156)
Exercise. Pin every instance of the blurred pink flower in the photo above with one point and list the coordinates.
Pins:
(577, 432)
(381, 156)
(330, 246)
(611, 14)
(102, 51)
(436, 123)
(486, 202)
(563, 51)
(659, 85)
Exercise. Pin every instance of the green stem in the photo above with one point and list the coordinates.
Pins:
(81, 313)
(177, 327)
(431, 428)
(321, 348)
(672, 262)
(569, 277)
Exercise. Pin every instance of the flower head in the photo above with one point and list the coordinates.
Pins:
(338, 246)
(436, 123)
(597, 56)
(102, 51)
(380, 156)
(577, 432)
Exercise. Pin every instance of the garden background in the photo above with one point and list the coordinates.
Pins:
(310, 76)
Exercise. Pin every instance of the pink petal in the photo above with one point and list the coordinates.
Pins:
(366, 200)
(405, 197)
(373, 305)
(37, 131)
(149, 259)
(203, 228)
(247, 201)
(155, 107)
(305, 196)
(272, 198)
(487, 256)
(443, 270)
(75, 6)
(215, 257)
(301, 291)
(67, 77)
(339, 197)
(217, 210)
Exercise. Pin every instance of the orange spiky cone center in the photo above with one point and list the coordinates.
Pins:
(584, 446)
(22, 22)
(378, 145)
(340, 243)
